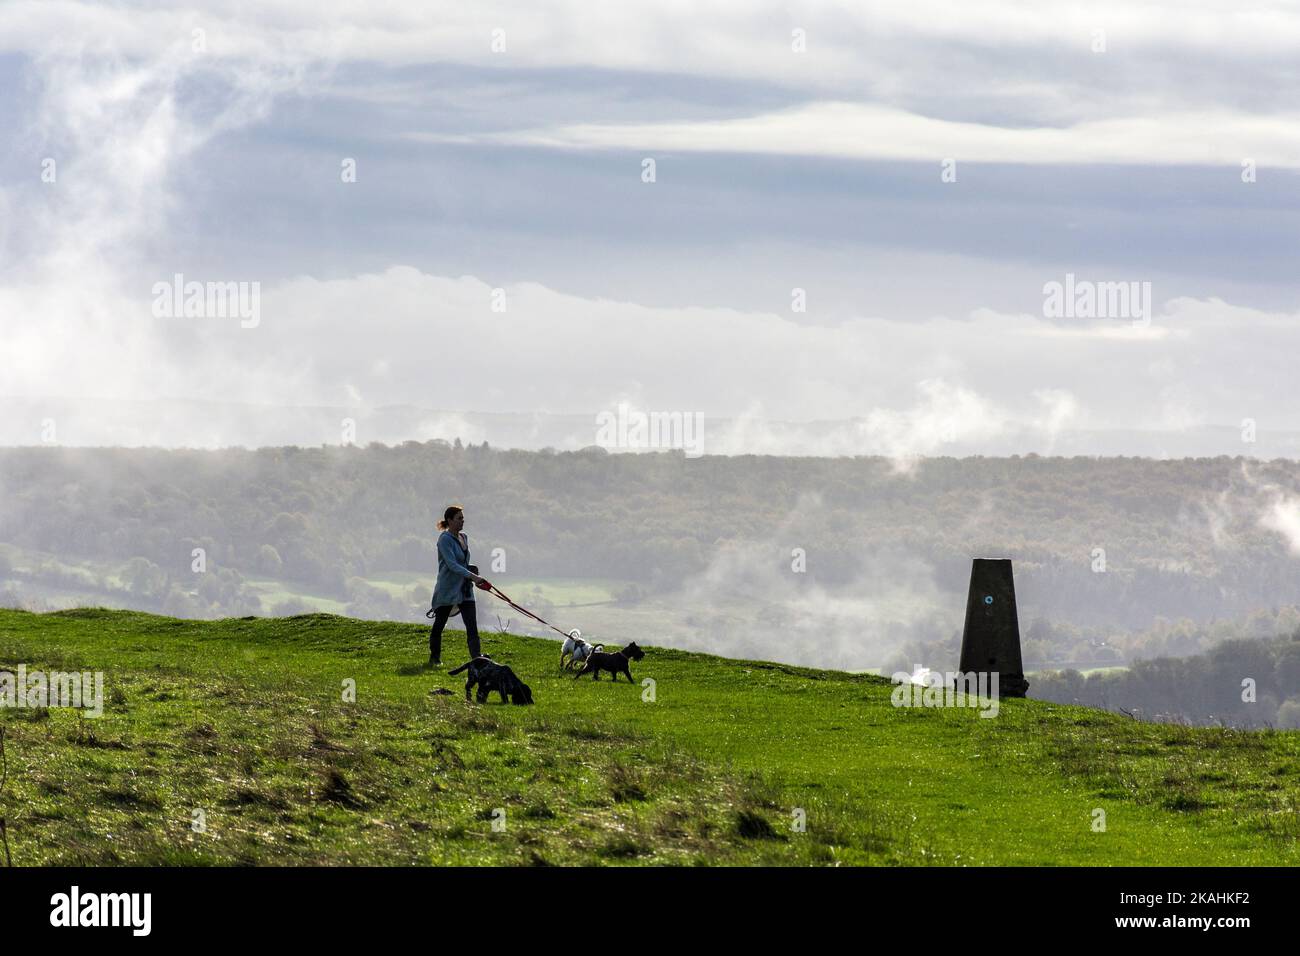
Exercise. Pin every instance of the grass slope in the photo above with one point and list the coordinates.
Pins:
(244, 720)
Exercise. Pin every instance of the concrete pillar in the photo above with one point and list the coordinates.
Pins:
(991, 640)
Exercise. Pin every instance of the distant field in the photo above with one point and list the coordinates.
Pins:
(558, 591)
(271, 591)
(1082, 670)
(244, 720)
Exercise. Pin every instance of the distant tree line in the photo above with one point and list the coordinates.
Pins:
(1239, 683)
(1182, 540)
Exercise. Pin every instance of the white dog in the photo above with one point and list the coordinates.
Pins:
(576, 649)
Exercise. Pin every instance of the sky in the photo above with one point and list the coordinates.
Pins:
(854, 213)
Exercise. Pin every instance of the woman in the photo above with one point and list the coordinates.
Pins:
(455, 587)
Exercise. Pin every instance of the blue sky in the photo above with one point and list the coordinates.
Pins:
(776, 169)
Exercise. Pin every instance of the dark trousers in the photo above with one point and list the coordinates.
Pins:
(440, 616)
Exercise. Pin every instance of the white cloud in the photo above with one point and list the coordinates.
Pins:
(870, 131)
(773, 612)
(116, 131)
(896, 388)
(877, 49)
(1283, 516)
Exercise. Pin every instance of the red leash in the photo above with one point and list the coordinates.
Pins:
(497, 592)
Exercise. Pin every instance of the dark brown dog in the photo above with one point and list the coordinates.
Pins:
(615, 663)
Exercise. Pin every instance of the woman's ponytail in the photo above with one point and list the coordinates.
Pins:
(451, 512)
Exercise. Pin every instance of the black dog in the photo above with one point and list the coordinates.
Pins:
(615, 663)
(491, 676)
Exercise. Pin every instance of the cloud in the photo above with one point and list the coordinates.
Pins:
(1019, 57)
(875, 132)
(1253, 499)
(1275, 508)
(751, 602)
(864, 386)
(1283, 516)
(112, 132)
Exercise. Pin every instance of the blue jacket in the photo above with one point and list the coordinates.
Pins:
(454, 585)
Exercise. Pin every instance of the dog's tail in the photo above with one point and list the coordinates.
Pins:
(463, 666)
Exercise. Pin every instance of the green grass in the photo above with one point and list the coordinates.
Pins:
(244, 720)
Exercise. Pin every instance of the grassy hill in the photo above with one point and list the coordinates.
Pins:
(245, 721)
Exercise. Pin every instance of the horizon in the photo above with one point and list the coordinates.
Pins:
(87, 422)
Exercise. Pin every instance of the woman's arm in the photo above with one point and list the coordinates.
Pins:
(448, 551)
